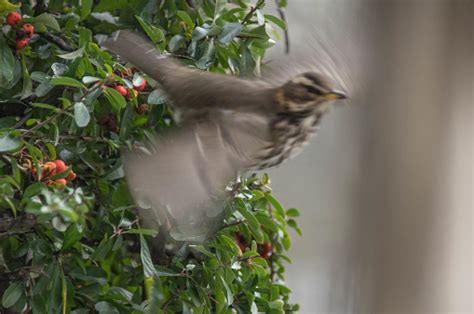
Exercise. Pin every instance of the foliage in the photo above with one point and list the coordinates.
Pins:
(70, 241)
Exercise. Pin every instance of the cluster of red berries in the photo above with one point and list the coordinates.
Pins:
(53, 168)
(110, 122)
(265, 249)
(136, 90)
(24, 33)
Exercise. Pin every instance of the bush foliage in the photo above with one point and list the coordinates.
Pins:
(69, 239)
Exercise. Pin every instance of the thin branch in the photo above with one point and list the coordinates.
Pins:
(252, 11)
(283, 18)
(59, 113)
(236, 223)
(58, 41)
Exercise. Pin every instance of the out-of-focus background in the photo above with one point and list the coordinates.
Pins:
(386, 188)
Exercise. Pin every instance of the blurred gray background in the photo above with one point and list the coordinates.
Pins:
(386, 188)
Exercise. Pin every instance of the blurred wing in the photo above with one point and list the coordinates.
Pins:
(187, 87)
(184, 180)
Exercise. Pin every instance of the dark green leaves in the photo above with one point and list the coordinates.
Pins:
(116, 100)
(12, 294)
(155, 33)
(9, 142)
(83, 242)
(7, 62)
(66, 81)
(229, 32)
(46, 19)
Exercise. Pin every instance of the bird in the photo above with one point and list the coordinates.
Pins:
(227, 125)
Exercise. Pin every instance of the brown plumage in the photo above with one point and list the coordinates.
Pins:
(229, 125)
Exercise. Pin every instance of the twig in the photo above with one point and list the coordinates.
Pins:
(286, 34)
(252, 11)
(59, 113)
(22, 120)
(56, 40)
(235, 223)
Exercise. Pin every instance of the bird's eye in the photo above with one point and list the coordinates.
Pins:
(312, 89)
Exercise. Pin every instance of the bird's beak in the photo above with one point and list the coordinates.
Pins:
(335, 94)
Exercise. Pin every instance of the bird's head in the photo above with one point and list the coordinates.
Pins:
(305, 92)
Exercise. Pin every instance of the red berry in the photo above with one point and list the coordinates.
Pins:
(61, 181)
(60, 166)
(13, 18)
(104, 120)
(21, 43)
(140, 87)
(265, 250)
(71, 176)
(122, 90)
(28, 29)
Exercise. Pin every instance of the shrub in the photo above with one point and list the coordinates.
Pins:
(70, 241)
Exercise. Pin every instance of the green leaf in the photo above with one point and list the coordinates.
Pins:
(72, 55)
(165, 272)
(280, 23)
(6, 7)
(229, 31)
(292, 212)
(86, 6)
(12, 294)
(104, 307)
(185, 18)
(90, 79)
(199, 33)
(7, 61)
(156, 98)
(66, 81)
(260, 17)
(27, 84)
(33, 190)
(71, 237)
(176, 42)
(276, 205)
(115, 98)
(81, 114)
(149, 270)
(149, 232)
(45, 106)
(9, 143)
(155, 34)
(48, 20)
(102, 250)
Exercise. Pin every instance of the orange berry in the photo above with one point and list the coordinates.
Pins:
(61, 181)
(21, 43)
(122, 90)
(71, 176)
(60, 166)
(13, 18)
(28, 29)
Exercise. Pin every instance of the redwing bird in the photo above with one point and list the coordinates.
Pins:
(227, 125)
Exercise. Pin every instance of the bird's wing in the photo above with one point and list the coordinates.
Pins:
(184, 179)
(187, 87)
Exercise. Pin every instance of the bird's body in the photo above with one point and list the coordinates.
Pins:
(228, 125)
